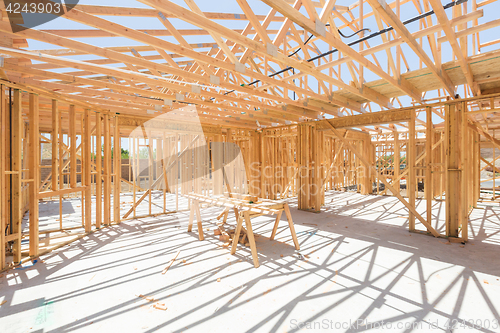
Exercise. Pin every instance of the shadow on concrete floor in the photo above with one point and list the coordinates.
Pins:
(360, 269)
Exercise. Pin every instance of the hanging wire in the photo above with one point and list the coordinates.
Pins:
(375, 34)
(354, 34)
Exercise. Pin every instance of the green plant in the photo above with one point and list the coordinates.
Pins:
(124, 153)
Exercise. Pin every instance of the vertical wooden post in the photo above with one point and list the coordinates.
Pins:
(397, 160)
(217, 160)
(72, 138)
(159, 157)
(86, 169)
(55, 145)
(452, 171)
(117, 159)
(62, 178)
(158, 160)
(306, 165)
(175, 171)
(300, 165)
(444, 166)
(135, 161)
(82, 161)
(317, 179)
(477, 167)
(304, 160)
(150, 169)
(164, 157)
(429, 135)
(98, 177)
(3, 158)
(262, 158)
(493, 196)
(16, 158)
(465, 166)
(107, 170)
(410, 160)
(254, 187)
(34, 175)
(273, 149)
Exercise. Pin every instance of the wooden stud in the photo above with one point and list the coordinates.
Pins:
(72, 139)
(34, 174)
(410, 163)
(198, 219)
(117, 160)
(16, 158)
(62, 178)
(98, 176)
(55, 144)
(86, 169)
(453, 185)
(107, 171)
(3, 191)
(429, 135)
(465, 168)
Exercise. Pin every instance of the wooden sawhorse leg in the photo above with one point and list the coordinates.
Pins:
(239, 224)
(195, 207)
(292, 228)
(275, 228)
(251, 240)
(224, 214)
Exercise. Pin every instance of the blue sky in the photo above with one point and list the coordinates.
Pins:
(408, 11)
(491, 12)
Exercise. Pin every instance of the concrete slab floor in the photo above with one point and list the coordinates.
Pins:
(359, 270)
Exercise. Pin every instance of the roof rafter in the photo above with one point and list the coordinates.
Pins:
(392, 19)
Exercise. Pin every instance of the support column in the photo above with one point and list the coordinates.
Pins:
(465, 167)
(98, 176)
(317, 176)
(55, 145)
(411, 179)
(117, 159)
(429, 135)
(217, 159)
(62, 178)
(303, 184)
(72, 140)
(397, 160)
(477, 167)
(15, 153)
(309, 181)
(254, 188)
(107, 170)
(263, 165)
(453, 181)
(3, 159)
(87, 168)
(34, 173)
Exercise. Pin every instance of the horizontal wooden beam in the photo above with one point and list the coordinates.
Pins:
(146, 12)
(48, 194)
(367, 119)
(93, 33)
